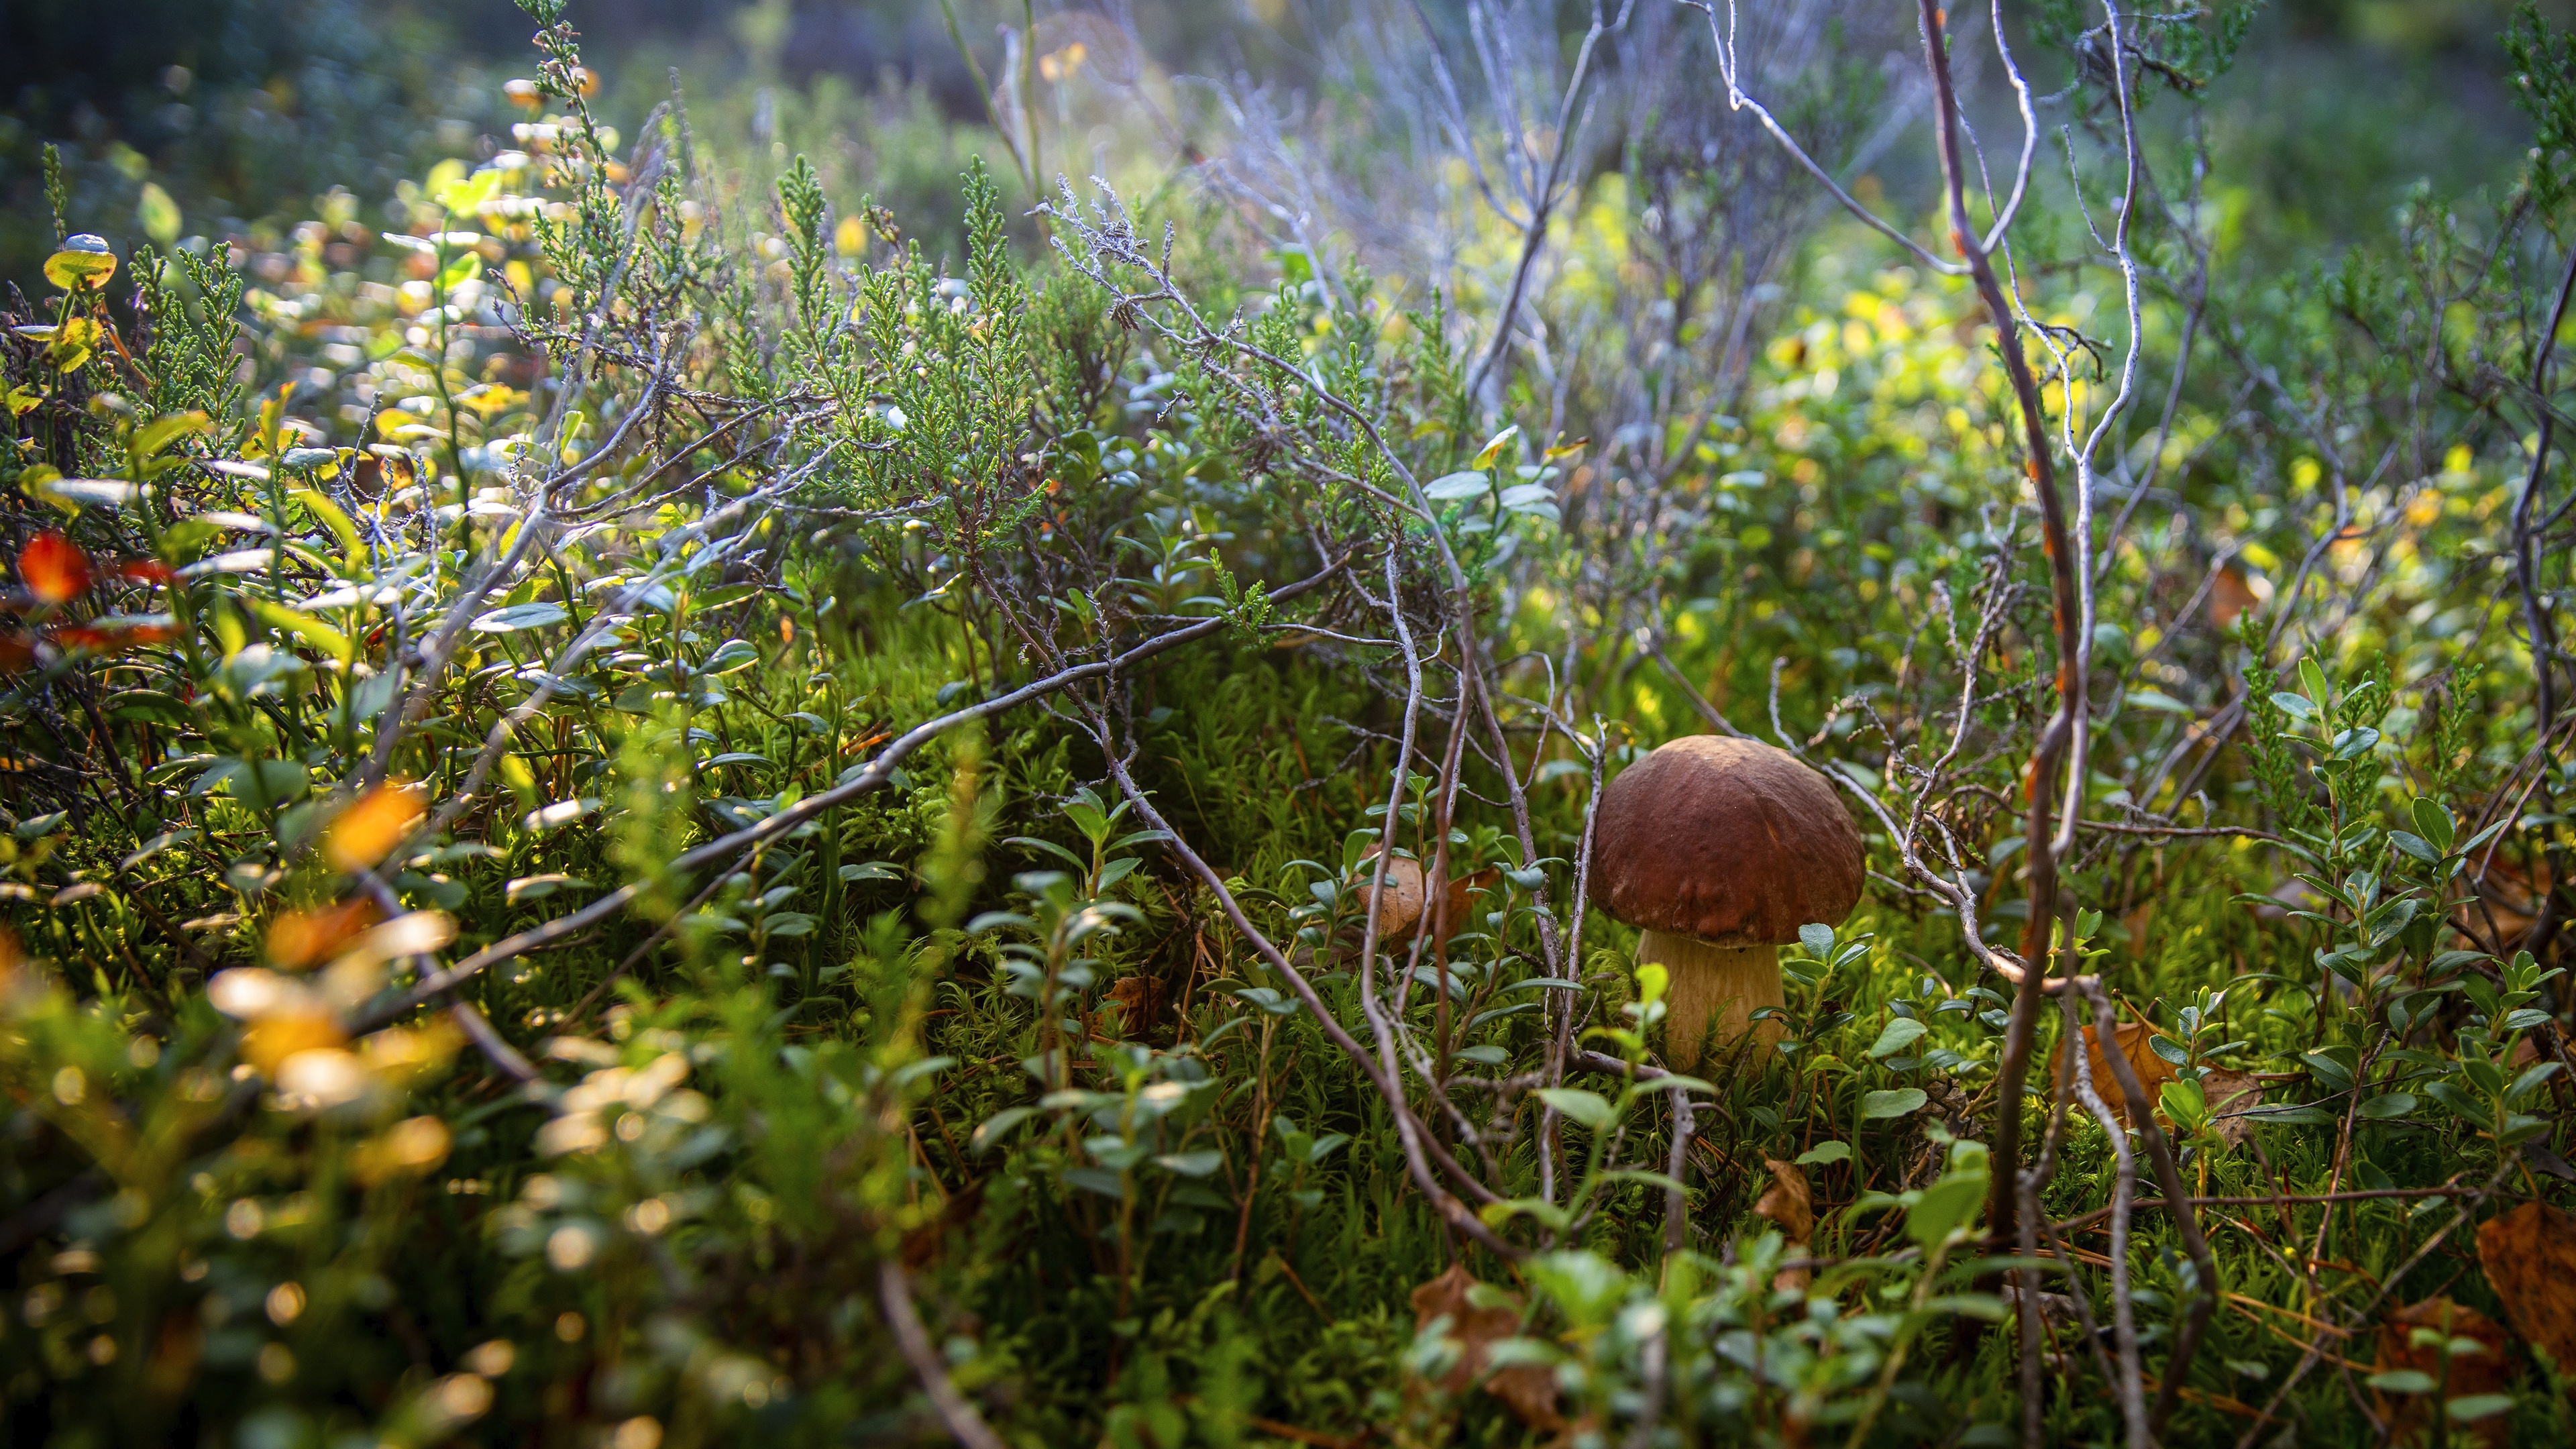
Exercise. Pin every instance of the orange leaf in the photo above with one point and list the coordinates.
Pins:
(114, 637)
(2230, 596)
(375, 824)
(2153, 1071)
(53, 568)
(297, 939)
(2530, 1259)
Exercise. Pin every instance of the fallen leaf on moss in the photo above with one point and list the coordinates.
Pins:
(2231, 1092)
(2472, 1374)
(1792, 1209)
(2529, 1256)
(2131, 1036)
(1140, 1000)
(1526, 1389)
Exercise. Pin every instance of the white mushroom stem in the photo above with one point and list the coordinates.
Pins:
(1714, 986)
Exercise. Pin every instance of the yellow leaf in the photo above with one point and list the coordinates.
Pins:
(74, 342)
(413, 1145)
(1494, 448)
(468, 195)
(83, 265)
(489, 398)
(272, 1039)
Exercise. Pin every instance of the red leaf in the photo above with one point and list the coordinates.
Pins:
(53, 568)
(143, 571)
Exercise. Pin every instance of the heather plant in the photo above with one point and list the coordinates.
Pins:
(643, 808)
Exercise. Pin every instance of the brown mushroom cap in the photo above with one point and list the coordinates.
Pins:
(1402, 905)
(1727, 840)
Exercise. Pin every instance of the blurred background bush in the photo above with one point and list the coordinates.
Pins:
(244, 111)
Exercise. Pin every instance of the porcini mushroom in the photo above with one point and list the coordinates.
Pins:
(1401, 906)
(1721, 849)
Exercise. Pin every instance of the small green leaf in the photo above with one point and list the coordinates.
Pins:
(1945, 1207)
(157, 214)
(2313, 679)
(2435, 822)
(2470, 1407)
(1901, 1033)
(520, 616)
(1895, 1103)
(1825, 1152)
(1588, 1108)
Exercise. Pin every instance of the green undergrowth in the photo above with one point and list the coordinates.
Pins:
(526, 922)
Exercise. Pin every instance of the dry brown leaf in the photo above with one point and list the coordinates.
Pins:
(1462, 897)
(1788, 1203)
(1792, 1209)
(1526, 1389)
(2529, 1256)
(2476, 1373)
(2231, 594)
(2231, 1092)
(1140, 999)
(2153, 1071)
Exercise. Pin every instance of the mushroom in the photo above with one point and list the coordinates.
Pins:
(1721, 849)
(1402, 904)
